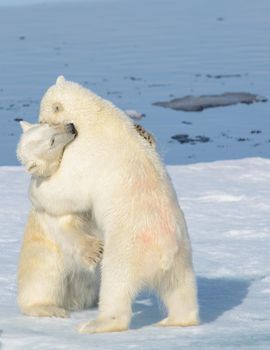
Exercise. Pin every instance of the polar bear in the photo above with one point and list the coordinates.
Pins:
(112, 172)
(56, 265)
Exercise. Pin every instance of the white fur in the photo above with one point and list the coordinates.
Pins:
(56, 270)
(112, 172)
(41, 147)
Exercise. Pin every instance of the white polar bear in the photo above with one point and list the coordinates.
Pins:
(56, 271)
(110, 171)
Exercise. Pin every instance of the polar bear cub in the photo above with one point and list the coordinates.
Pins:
(58, 248)
(112, 172)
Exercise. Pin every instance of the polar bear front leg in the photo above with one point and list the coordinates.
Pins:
(72, 236)
(87, 247)
(90, 250)
(119, 284)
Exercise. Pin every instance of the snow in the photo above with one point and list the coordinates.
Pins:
(136, 53)
(227, 206)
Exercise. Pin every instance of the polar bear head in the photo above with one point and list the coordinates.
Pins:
(41, 146)
(67, 101)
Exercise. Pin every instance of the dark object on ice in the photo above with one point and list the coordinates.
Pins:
(199, 103)
(22, 37)
(220, 76)
(256, 132)
(242, 139)
(133, 78)
(184, 138)
(18, 119)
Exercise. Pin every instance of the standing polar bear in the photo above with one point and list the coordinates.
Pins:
(114, 174)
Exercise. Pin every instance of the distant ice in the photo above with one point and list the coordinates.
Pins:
(134, 114)
(199, 103)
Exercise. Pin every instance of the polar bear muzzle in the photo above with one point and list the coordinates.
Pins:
(71, 129)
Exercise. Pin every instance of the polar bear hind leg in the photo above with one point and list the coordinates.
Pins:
(178, 291)
(40, 275)
(122, 278)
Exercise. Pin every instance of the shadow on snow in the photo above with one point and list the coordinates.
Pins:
(216, 296)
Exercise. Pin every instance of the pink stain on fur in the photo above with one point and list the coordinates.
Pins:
(147, 238)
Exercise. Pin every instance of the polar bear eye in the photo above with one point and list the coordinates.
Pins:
(57, 107)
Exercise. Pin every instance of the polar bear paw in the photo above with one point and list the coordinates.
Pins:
(91, 251)
(45, 311)
(104, 326)
(174, 322)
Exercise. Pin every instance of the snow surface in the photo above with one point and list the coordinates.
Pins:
(227, 206)
(139, 52)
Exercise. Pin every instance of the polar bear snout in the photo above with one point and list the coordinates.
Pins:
(71, 129)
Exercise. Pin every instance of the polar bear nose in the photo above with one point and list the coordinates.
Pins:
(71, 128)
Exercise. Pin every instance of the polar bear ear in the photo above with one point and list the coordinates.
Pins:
(60, 80)
(25, 125)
